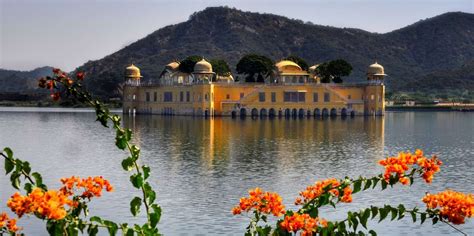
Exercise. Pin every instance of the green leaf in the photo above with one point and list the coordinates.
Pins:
(368, 182)
(150, 194)
(128, 134)
(137, 180)
(156, 215)
(135, 205)
(355, 223)
(435, 220)
(8, 166)
(364, 217)
(15, 180)
(38, 178)
(28, 187)
(341, 228)
(128, 164)
(26, 167)
(146, 171)
(394, 213)
(376, 180)
(92, 230)
(374, 210)
(383, 213)
(422, 217)
(372, 233)
(357, 185)
(401, 211)
(413, 216)
(9, 152)
(111, 227)
(96, 219)
(384, 184)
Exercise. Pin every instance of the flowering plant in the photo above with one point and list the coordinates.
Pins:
(453, 206)
(66, 210)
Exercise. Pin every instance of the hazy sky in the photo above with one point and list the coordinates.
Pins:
(67, 33)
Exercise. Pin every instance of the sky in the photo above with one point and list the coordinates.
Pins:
(68, 33)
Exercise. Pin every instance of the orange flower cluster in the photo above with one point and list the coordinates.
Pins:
(48, 204)
(263, 202)
(314, 191)
(454, 206)
(302, 222)
(92, 186)
(10, 223)
(400, 164)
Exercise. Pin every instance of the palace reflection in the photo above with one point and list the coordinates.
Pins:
(216, 140)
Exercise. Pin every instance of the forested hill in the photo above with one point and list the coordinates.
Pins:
(429, 48)
(12, 81)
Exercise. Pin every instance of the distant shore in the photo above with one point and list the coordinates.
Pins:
(462, 108)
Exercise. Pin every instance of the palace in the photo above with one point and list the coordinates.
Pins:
(290, 91)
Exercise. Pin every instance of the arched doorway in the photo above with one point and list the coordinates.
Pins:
(263, 112)
(308, 113)
(243, 112)
(206, 113)
(317, 112)
(233, 114)
(344, 112)
(271, 113)
(353, 113)
(254, 112)
(294, 113)
(287, 112)
(325, 112)
(333, 112)
(301, 112)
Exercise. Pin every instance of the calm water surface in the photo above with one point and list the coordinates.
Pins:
(202, 167)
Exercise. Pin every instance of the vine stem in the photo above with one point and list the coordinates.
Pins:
(22, 171)
(452, 226)
(116, 127)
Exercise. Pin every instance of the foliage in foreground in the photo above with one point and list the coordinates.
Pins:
(449, 206)
(65, 210)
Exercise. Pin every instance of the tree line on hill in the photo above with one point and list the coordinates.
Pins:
(257, 67)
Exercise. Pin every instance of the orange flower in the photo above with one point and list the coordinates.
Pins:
(91, 186)
(303, 222)
(454, 206)
(316, 190)
(263, 202)
(347, 195)
(12, 227)
(400, 164)
(48, 204)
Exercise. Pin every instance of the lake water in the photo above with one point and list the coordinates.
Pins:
(201, 167)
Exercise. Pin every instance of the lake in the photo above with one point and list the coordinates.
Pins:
(201, 167)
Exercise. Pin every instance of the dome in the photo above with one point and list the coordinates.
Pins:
(172, 65)
(132, 72)
(203, 66)
(376, 69)
(287, 65)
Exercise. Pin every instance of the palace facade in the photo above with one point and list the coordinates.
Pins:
(291, 91)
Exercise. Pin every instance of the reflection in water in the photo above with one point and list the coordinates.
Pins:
(221, 138)
(201, 167)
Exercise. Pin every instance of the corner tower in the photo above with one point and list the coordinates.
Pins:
(374, 98)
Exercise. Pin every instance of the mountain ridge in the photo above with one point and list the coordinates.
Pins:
(432, 46)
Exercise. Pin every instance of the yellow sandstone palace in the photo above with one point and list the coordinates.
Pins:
(291, 91)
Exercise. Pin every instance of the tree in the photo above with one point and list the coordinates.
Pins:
(220, 67)
(253, 64)
(187, 65)
(333, 70)
(298, 60)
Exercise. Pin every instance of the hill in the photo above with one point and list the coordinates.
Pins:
(419, 57)
(13, 81)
